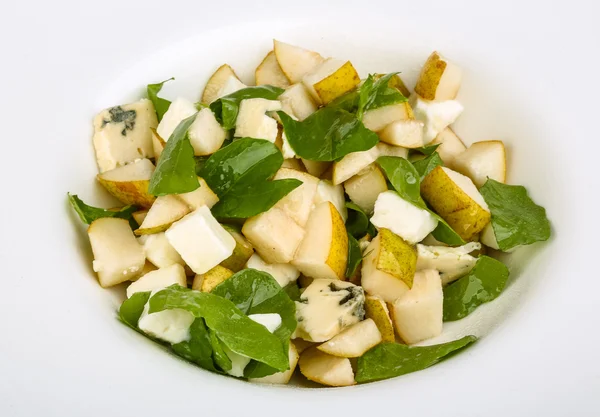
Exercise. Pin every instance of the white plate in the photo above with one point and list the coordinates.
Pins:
(530, 80)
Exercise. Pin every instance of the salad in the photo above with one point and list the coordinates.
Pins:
(316, 223)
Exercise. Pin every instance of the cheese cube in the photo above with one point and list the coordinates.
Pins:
(172, 326)
(159, 279)
(436, 115)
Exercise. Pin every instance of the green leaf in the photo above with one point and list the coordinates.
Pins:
(175, 171)
(293, 291)
(226, 108)
(347, 102)
(428, 150)
(132, 308)
(327, 135)
(406, 180)
(357, 223)
(239, 174)
(88, 214)
(388, 360)
(161, 105)
(218, 352)
(257, 292)
(484, 283)
(516, 219)
(199, 348)
(375, 94)
(426, 165)
(232, 327)
(354, 256)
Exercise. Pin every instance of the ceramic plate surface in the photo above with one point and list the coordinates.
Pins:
(530, 79)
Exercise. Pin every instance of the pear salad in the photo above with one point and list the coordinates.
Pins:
(314, 221)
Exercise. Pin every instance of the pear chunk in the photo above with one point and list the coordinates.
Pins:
(129, 183)
(392, 150)
(364, 188)
(165, 210)
(325, 369)
(201, 196)
(376, 309)
(331, 80)
(216, 82)
(241, 253)
(405, 133)
(295, 62)
(297, 101)
(353, 341)
(326, 191)
(483, 160)
(377, 119)
(282, 377)
(353, 163)
(298, 203)
(450, 146)
(316, 168)
(284, 274)
(439, 80)
(269, 72)
(208, 281)
(159, 251)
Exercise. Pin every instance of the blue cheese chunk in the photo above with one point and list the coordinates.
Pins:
(326, 307)
(122, 134)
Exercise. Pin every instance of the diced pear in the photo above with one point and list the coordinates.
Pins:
(200, 240)
(456, 199)
(241, 253)
(323, 252)
(122, 134)
(488, 237)
(326, 191)
(274, 235)
(269, 72)
(403, 218)
(298, 203)
(281, 377)
(483, 160)
(165, 210)
(353, 163)
(158, 144)
(330, 80)
(216, 82)
(405, 133)
(159, 251)
(316, 168)
(418, 313)
(179, 110)
(201, 196)
(159, 279)
(295, 62)
(297, 101)
(389, 266)
(326, 369)
(252, 122)
(377, 119)
(439, 80)
(139, 216)
(208, 281)
(293, 163)
(435, 115)
(397, 83)
(118, 257)
(129, 183)
(206, 134)
(450, 146)
(148, 267)
(284, 274)
(451, 263)
(364, 188)
(391, 150)
(302, 345)
(231, 85)
(353, 341)
(376, 309)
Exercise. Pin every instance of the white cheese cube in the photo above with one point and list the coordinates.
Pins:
(451, 263)
(159, 279)
(159, 251)
(252, 122)
(326, 307)
(179, 110)
(231, 85)
(326, 191)
(172, 326)
(206, 134)
(271, 321)
(122, 134)
(436, 115)
(200, 240)
(282, 273)
(401, 217)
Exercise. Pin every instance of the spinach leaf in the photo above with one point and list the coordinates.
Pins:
(388, 360)
(293, 291)
(88, 214)
(132, 308)
(232, 327)
(357, 223)
(226, 108)
(238, 174)
(484, 283)
(327, 135)
(175, 171)
(428, 150)
(347, 102)
(516, 219)
(354, 256)
(198, 349)
(406, 180)
(161, 105)
(257, 292)
(375, 94)
(218, 352)
(426, 165)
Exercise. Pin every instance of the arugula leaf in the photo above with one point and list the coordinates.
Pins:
(132, 308)
(88, 214)
(257, 292)
(175, 171)
(238, 174)
(293, 291)
(426, 165)
(354, 256)
(357, 223)
(484, 283)
(347, 102)
(388, 360)
(198, 349)
(428, 150)
(226, 108)
(516, 219)
(161, 105)
(405, 179)
(375, 94)
(327, 135)
(232, 327)
(218, 352)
